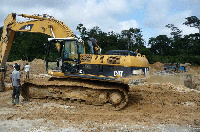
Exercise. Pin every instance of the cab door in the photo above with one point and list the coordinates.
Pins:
(70, 57)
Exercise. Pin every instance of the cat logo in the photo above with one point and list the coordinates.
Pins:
(118, 72)
(80, 71)
(27, 27)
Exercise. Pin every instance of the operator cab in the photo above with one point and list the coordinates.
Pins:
(68, 54)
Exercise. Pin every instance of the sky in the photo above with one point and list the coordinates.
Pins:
(151, 16)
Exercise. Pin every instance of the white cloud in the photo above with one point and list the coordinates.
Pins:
(188, 30)
(157, 13)
(138, 4)
(125, 25)
(118, 6)
(104, 14)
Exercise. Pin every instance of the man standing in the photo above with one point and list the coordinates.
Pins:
(91, 42)
(15, 78)
(27, 67)
(94, 48)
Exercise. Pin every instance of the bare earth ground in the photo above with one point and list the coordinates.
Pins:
(165, 106)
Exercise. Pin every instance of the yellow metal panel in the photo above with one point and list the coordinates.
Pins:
(55, 73)
(126, 61)
(44, 26)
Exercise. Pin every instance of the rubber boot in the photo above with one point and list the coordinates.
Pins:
(17, 101)
(13, 101)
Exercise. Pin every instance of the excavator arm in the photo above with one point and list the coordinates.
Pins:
(38, 24)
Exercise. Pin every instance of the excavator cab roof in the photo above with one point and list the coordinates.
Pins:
(121, 52)
(61, 39)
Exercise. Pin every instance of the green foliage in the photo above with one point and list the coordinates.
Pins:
(133, 37)
(160, 45)
(107, 41)
(178, 49)
(175, 31)
(28, 46)
(192, 21)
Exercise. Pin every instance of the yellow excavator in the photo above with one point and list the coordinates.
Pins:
(92, 78)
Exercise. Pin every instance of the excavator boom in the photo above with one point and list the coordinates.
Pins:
(38, 24)
(6, 39)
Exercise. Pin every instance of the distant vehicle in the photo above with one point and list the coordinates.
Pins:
(176, 67)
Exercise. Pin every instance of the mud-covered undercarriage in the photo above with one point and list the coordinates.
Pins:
(94, 92)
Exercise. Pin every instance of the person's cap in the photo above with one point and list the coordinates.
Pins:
(16, 65)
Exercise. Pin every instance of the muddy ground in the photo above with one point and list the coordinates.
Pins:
(157, 105)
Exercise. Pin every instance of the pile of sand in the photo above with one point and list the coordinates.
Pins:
(193, 82)
(38, 66)
(158, 66)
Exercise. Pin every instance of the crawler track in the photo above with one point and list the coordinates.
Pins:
(92, 92)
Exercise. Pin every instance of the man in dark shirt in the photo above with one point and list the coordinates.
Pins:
(15, 78)
(94, 48)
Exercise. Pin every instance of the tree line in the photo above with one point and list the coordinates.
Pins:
(178, 48)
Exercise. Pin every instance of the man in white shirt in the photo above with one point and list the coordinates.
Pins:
(27, 67)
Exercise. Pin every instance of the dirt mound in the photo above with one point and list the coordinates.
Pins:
(158, 66)
(193, 70)
(193, 78)
(193, 82)
(38, 66)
